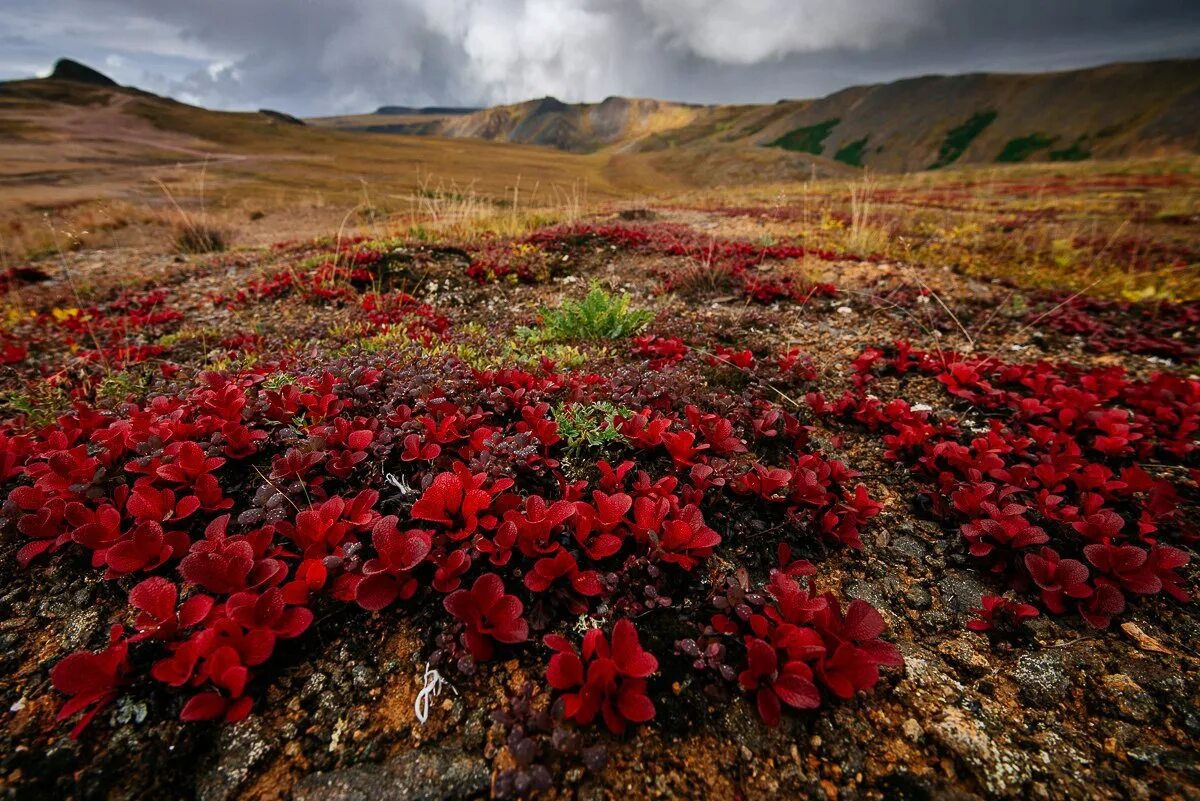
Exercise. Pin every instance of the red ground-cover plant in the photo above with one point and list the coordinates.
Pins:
(91, 679)
(1168, 330)
(1059, 492)
(1140, 254)
(77, 348)
(237, 505)
(606, 681)
(1000, 615)
(489, 615)
(794, 644)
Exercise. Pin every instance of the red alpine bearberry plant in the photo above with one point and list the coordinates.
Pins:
(793, 644)
(1055, 493)
(245, 508)
(489, 615)
(607, 680)
(1001, 615)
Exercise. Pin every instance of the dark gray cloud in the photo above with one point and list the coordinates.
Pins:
(321, 56)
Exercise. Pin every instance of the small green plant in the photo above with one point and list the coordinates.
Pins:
(116, 387)
(600, 315)
(586, 426)
(278, 381)
(41, 406)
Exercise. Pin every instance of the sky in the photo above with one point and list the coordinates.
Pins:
(314, 57)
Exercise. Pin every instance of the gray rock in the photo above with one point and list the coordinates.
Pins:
(79, 628)
(1121, 696)
(1041, 678)
(1000, 771)
(425, 774)
(240, 748)
(964, 654)
(363, 677)
(312, 687)
(961, 591)
(917, 597)
(1160, 680)
(868, 591)
(908, 547)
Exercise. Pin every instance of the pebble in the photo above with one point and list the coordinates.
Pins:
(240, 748)
(962, 654)
(431, 773)
(1125, 697)
(918, 597)
(912, 730)
(961, 591)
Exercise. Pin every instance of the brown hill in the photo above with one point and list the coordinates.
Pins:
(102, 154)
(575, 127)
(1112, 111)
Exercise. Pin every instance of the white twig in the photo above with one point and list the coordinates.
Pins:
(433, 686)
(400, 484)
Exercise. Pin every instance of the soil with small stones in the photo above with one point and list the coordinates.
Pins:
(1064, 712)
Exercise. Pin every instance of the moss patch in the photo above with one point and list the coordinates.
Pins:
(852, 153)
(1075, 152)
(959, 139)
(810, 139)
(1023, 147)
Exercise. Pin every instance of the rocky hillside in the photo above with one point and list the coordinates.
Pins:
(1112, 111)
(576, 127)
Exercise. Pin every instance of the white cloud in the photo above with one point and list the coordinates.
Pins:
(314, 56)
(750, 31)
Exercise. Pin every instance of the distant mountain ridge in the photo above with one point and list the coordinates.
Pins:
(1112, 111)
(644, 144)
(424, 110)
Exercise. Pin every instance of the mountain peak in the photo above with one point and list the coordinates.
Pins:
(66, 69)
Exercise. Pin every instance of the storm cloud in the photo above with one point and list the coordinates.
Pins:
(320, 57)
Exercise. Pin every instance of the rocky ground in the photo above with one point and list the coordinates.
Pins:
(1051, 708)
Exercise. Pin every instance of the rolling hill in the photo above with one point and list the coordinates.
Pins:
(575, 127)
(74, 144)
(76, 136)
(1113, 111)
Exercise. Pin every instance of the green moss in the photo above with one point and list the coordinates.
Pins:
(1023, 147)
(960, 138)
(1076, 152)
(852, 153)
(118, 386)
(810, 139)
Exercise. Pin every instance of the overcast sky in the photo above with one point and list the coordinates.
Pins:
(312, 57)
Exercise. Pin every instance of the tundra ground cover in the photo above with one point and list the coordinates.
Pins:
(798, 500)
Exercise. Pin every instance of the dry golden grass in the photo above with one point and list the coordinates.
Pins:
(1021, 223)
(111, 169)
